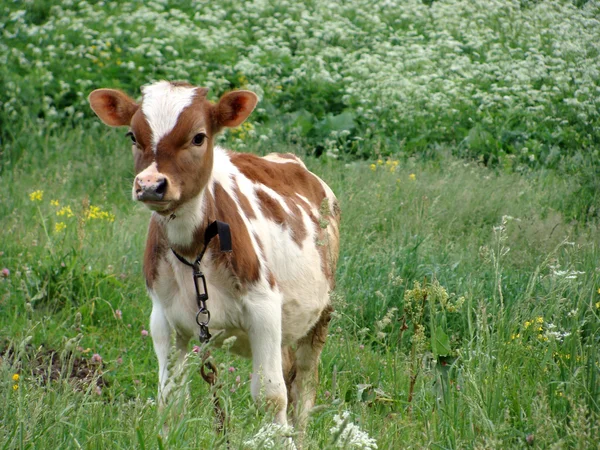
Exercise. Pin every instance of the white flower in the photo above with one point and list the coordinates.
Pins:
(272, 435)
(567, 274)
(348, 435)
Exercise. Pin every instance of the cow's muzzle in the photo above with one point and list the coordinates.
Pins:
(150, 188)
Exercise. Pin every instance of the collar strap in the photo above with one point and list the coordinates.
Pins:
(216, 228)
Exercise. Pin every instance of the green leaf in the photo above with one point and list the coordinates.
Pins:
(305, 121)
(440, 343)
(343, 121)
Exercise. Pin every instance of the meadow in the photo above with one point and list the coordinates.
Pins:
(461, 138)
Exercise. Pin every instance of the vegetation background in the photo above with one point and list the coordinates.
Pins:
(462, 138)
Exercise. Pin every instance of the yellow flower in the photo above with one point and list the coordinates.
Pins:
(412, 177)
(380, 162)
(373, 167)
(15, 377)
(54, 203)
(65, 211)
(59, 226)
(597, 304)
(36, 196)
(540, 319)
(598, 291)
(94, 212)
(15, 387)
(528, 324)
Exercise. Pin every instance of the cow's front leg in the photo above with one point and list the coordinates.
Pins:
(161, 337)
(264, 331)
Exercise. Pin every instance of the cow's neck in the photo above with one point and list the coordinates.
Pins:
(185, 228)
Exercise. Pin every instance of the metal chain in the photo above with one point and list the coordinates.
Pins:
(201, 297)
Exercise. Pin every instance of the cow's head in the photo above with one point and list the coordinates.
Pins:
(172, 131)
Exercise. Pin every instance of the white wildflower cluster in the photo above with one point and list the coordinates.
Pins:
(272, 435)
(348, 435)
(553, 333)
(522, 74)
(567, 274)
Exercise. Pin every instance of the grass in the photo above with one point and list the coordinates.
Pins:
(461, 139)
(503, 383)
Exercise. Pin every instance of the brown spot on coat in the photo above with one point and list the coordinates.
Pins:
(156, 245)
(270, 207)
(296, 222)
(243, 200)
(285, 179)
(245, 264)
(271, 279)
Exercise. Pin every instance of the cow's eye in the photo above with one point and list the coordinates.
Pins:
(199, 139)
(132, 136)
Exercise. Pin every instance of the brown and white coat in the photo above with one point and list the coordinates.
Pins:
(272, 290)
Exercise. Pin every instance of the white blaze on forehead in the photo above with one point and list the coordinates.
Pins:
(162, 104)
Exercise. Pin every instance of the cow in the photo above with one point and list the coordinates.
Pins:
(272, 290)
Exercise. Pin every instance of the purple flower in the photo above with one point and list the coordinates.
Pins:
(96, 358)
(231, 369)
(196, 349)
(144, 333)
(118, 314)
(5, 273)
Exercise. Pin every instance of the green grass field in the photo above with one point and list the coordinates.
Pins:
(461, 138)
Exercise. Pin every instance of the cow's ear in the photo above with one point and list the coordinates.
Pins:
(233, 108)
(114, 108)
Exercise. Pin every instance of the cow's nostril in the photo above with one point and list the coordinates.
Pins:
(161, 187)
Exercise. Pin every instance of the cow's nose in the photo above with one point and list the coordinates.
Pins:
(150, 189)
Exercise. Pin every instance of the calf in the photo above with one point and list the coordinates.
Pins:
(272, 290)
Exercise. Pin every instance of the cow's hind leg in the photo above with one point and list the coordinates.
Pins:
(304, 385)
(288, 356)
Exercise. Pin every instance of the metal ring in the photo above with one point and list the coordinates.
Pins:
(203, 311)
